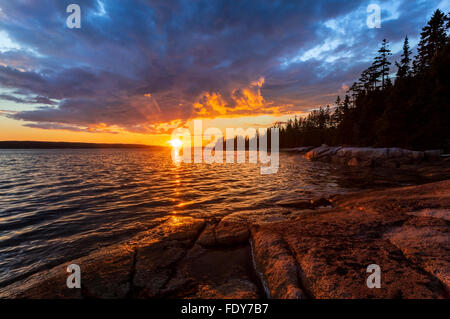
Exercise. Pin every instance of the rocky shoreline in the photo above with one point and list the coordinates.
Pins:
(305, 249)
(392, 157)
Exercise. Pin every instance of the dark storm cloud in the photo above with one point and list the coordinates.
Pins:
(135, 64)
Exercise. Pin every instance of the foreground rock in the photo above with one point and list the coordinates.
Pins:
(300, 249)
(214, 273)
(105, 273)
(165, 261)
(109, 273)
(332, 249)
(276, 265)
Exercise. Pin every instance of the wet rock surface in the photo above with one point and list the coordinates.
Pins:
(319, 248)
(208, 236)
(232, 230)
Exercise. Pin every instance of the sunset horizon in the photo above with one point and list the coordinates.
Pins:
(48, 101)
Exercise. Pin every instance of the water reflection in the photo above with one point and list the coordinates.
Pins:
(176, 157)
(56, 205)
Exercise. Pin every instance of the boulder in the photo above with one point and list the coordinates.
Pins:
(321, 152)
(365, 156)
(364, 153)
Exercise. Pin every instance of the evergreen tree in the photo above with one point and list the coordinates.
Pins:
(432, 39)
(404, 69)
(381, 62)
(338, 113)
(447, 26)
(412, 113)
(373, 74)
(364, 80)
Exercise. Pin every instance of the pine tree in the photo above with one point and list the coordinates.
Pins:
(338, 113)
(432, 39)
(413, 113)
(364, 80)
(447, 26)
(346, 104)
(373, 74)
(404, 68)
(381, 62)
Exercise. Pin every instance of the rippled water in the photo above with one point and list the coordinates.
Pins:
(56, 205)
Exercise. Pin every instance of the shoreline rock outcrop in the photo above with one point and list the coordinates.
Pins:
(392, 157)
(310, 249)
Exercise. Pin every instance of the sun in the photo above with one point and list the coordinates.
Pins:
(175, 143)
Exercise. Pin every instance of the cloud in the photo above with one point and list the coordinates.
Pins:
(56, 126)
(33, 100)
(240, 102)
(142, 66)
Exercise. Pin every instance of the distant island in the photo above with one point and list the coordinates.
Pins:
(57, 145)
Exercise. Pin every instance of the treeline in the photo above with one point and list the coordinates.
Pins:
(413, 111)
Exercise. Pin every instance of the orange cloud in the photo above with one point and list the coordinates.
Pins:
(210, 104)
(258, 83)
(243, 101)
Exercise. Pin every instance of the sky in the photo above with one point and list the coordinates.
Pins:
(137, 69)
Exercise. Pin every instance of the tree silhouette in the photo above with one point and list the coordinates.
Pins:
(432, 39)
(404, 68)
(382, 63)
(414, 112)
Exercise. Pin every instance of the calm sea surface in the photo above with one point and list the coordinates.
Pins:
(56, 205)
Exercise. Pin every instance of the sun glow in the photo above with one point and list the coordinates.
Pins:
(176, 143)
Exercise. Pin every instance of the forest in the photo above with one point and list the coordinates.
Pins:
(408, 107)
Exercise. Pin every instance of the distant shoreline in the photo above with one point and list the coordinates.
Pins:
(69, 145)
